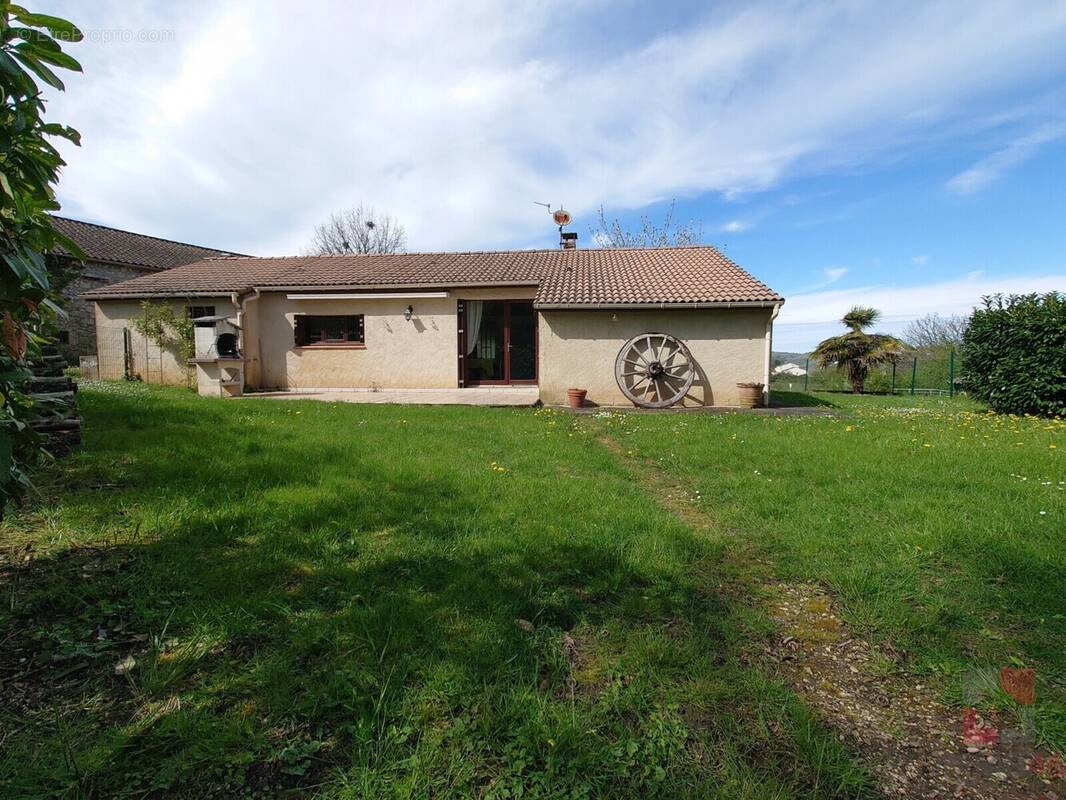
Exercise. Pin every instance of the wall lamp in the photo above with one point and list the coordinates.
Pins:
(408, 313)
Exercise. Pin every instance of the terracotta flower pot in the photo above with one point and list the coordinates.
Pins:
(750, 394)
(576, 397)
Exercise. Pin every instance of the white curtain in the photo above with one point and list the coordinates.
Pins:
(474, 310)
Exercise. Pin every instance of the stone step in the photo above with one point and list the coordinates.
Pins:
(56, 424)
(52, 398)
(50, 384)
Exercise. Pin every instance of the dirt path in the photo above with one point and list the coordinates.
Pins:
(908, 739)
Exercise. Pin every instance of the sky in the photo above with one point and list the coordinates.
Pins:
(909, 156)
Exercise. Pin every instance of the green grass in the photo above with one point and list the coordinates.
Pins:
(941, 528)
(373, 601)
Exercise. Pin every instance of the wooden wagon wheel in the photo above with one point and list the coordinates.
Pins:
(654, 370)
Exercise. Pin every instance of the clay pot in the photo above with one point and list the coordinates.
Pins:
(750, 394)
(576, 397)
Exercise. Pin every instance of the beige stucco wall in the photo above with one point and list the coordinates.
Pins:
(152, 364)
(418, 354)
(578, 349)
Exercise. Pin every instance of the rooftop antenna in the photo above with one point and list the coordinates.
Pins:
(562, 217)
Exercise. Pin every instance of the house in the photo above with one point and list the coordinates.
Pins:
(790, 369)
(552, 318)
(112, 255)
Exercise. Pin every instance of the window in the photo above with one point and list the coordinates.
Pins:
(195, 312)
(324, 331)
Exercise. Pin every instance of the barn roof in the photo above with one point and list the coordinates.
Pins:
(101, 243)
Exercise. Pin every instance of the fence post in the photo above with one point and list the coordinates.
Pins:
(127, 355)
(951, 374)
(914, 373)
(893, 378)
(806, 374)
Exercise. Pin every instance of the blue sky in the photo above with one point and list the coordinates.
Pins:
(909, 156)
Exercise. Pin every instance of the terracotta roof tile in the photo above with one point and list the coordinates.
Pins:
(101, 243)
(675, 275)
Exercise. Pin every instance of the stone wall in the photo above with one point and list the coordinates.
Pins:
(77, 333)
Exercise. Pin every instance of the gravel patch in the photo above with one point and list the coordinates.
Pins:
(914, 745)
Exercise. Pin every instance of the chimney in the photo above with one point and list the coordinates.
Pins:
(567, 240)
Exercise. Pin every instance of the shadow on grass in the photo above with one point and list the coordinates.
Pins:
(784, 399)
(297, 604)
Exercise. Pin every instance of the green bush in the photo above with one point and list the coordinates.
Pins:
(1014, 354)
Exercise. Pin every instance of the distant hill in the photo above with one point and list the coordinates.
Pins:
(784, 357)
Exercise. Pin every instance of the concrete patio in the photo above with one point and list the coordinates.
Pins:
(479, 396)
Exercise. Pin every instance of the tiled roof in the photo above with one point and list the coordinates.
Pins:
(668, 275)
(610, 277)
(101, 243)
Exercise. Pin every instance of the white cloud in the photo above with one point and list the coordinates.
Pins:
(920, 261)
(807, 318)
(734, 226)
(252, 124)
(830, 275)
(991, 168)
(834, 274)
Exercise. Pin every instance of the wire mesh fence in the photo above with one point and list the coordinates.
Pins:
(924, 373)
(123, 353)
(113, 353)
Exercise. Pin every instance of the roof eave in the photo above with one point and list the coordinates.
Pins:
(658, 305)
(347, 287)
(305, 287)
(96, 296)
(138, 265)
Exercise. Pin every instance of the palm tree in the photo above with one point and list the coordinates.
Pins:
(856, 351)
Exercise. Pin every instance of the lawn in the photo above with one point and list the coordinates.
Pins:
(370, 601)
(940, 528)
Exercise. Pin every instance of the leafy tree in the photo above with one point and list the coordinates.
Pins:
(856, 351)
(29, 168)
(1014, 353)
(667, 234)
(360, 231)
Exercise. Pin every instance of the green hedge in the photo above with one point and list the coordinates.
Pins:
(1014, 354)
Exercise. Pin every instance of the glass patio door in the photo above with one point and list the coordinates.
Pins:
(499, 342)
(521, 342)
(485, 363)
